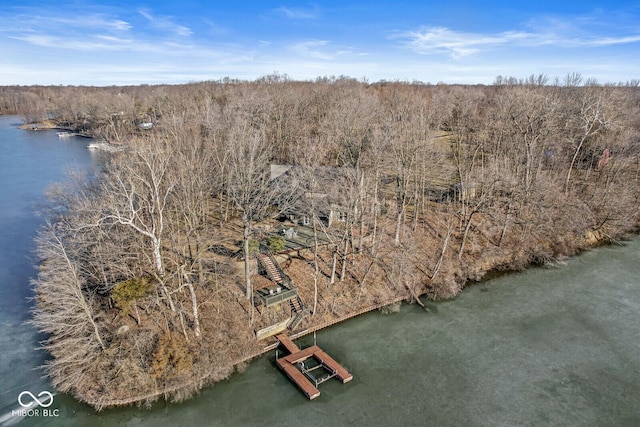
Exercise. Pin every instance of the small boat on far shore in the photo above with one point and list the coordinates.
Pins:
(67, 134)
(105, 146)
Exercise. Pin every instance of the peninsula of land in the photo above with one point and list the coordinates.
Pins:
(234, 211)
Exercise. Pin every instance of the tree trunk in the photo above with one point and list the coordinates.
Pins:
(157, 256)
(396, 238)
(194, 309)
(466, 233)
(573, 161)
(166, 293)
(247, 272)
(374, 209)
(201, 277)
(415, 211)
(360, 214)
(504, 225)
(223, 217)
(334, 263)
(343, 271)
(436, 269)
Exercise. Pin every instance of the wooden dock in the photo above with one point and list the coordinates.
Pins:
(293, 365)
(299, 379)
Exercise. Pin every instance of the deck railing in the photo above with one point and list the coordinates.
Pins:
(276, 297)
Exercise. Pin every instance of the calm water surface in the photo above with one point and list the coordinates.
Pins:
(556, 346)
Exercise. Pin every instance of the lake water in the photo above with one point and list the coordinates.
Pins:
(551, 346)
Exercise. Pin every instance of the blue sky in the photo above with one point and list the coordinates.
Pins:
(107, 42)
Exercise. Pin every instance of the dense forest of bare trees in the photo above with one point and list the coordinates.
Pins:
(140, 289)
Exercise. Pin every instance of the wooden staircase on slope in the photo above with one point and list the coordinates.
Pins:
(288, 294)
(298, 311)
(271, 269)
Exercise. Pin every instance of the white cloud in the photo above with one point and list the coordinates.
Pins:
(100, 32)
(324, 50)
(96, 22)
(458, 44)
(297, 13)
(311, 49)
(165, 23)
(48, 41)
(53, 23)
(433, 40)
(609, 41)
(215, 28)
(108, 44)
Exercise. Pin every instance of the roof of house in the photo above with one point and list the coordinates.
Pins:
(325, 184)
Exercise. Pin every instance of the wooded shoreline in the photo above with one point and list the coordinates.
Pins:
(402, 191)
(239, 364)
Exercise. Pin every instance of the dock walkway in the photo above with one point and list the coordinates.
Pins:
(287, 343)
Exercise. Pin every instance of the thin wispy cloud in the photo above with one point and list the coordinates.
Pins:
(455, 43)
(51, 23)
(312, 49)
(459, 44)
(96, 22)
(165, 23)
(215, 28)
(101, 33)
(164, 50)
(70, 31)
(323, 50)
(106, 43)
(610, 41)
(297, 13)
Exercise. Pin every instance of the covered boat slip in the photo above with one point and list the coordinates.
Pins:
(303, 372)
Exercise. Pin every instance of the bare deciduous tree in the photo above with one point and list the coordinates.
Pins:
(591, 118)
(66, 311)
(249, 187)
